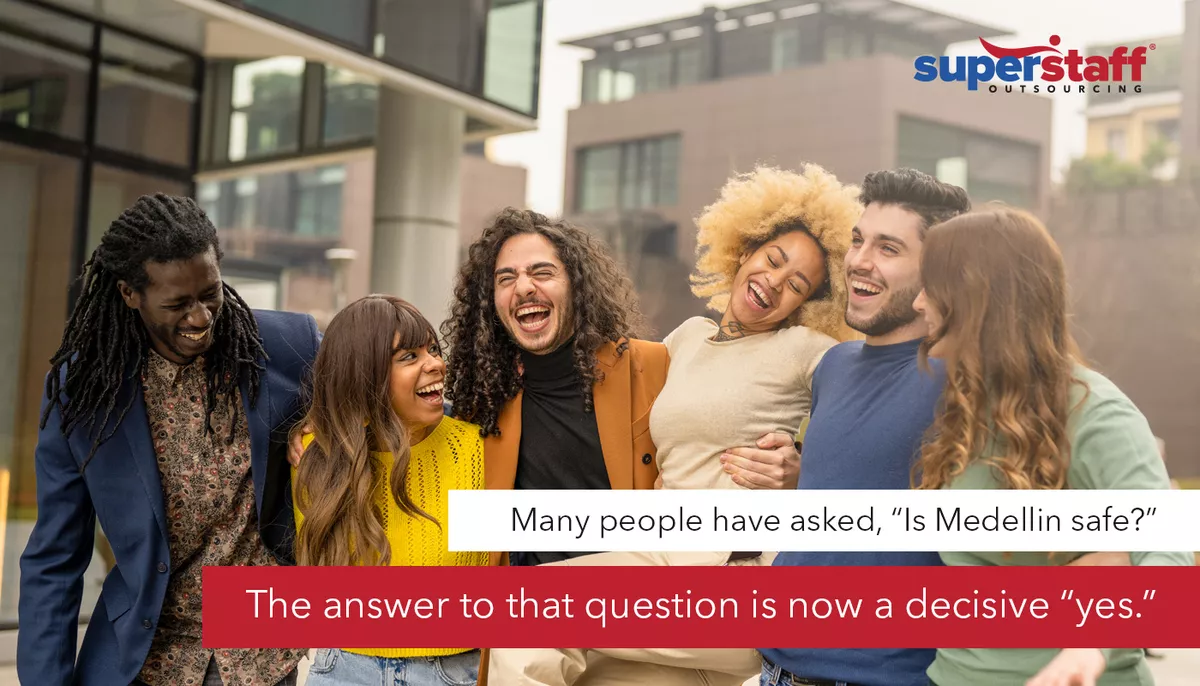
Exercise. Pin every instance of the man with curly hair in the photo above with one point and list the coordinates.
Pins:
(545, 357)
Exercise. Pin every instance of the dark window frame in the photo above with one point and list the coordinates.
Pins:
(87, 150)
(631, 151)
(373, 28)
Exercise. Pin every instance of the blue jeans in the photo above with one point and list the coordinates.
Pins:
(774, 675)
(333, 666)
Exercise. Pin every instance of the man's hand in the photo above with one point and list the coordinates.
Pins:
(773, 464)
(296, 444)
(1102, 560)
(1072, 667)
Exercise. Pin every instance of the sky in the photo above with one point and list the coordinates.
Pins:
(1078, 22)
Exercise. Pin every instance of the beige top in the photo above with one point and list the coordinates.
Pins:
(727, 394)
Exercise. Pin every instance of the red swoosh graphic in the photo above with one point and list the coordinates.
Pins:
(999, 52)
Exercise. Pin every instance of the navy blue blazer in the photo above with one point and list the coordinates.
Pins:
(121, 487)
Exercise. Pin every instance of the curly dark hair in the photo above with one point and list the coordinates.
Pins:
(482, 364)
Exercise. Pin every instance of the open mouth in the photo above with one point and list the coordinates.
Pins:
(533, 318)
(195, 336)
(863, 289)
(432, 393)
(757, 296)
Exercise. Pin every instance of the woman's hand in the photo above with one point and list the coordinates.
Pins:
(296, 444)
(1072, 667)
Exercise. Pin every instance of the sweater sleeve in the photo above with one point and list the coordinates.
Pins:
(1114, 448)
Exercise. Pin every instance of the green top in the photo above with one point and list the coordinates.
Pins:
(1112, 447)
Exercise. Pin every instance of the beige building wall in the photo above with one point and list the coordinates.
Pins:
(487, 188)
(1134, 124)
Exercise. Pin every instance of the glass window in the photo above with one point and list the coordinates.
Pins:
(440, 39)
(668, 172)
(688, 66)
(114, 190)
(630, 175)
(266, 108)
(347, 23)
(306, 202)
(37, 219)
(988, 167)
(844, 43)
(276, 228)
(598, 173)
(656, 72)
(43, 70)
(319, 201)
(785, 48)
(351, 103)
(146, 100)
(511, 61)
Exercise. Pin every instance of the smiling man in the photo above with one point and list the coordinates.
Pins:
(871, 406)
(545, 357)
(161, 406)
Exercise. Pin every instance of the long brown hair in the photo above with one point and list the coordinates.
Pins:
(998, 280)
(351, 415)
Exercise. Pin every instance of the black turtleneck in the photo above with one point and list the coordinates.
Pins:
(560, 444)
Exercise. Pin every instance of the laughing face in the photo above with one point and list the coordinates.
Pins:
(416, 385)
(533, 294)
(774, 281)
(180, 305)
(883, 274)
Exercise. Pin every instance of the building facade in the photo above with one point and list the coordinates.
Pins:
(671, 110)
(329, 145)
(1142, 128)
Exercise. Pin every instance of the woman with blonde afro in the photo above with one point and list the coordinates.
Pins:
(772, 249)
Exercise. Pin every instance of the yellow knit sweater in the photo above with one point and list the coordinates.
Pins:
(449, 458)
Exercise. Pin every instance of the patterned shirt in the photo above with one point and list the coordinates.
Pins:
(208, 494)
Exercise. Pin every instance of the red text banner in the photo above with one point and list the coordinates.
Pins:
(701, 607)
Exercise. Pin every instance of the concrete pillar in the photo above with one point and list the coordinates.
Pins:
(418, 150)
(1190, 85)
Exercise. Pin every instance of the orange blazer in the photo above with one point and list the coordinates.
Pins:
(622, 401)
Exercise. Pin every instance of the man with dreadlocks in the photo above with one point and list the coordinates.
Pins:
(161, 406)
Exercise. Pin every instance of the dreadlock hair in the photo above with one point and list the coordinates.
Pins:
(482, 365)
(105, 343)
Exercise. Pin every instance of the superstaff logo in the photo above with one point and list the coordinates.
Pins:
(1025, 69)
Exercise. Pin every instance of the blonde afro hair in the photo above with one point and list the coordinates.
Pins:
(746, 215)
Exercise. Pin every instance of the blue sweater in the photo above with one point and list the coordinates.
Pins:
(871, 407)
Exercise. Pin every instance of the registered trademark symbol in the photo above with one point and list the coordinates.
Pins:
(1153, 46)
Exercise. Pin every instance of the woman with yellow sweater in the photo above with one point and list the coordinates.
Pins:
(371, 487)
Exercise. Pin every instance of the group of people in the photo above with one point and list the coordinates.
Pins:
(873, 336)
